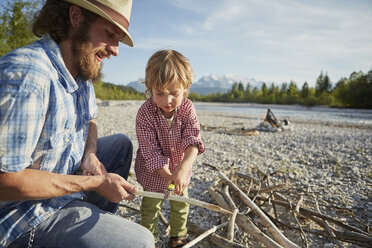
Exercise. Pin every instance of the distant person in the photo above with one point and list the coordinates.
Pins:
(168, 134)
(48, 134)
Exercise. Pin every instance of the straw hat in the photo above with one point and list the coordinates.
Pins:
(115, 11)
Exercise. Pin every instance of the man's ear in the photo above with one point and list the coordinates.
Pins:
(75, 16)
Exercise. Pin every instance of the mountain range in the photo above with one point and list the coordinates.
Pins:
(207, 84)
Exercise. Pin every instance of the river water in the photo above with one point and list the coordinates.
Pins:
(358, 117)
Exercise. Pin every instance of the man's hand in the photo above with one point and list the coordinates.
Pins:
(115, 188)
(92, 166)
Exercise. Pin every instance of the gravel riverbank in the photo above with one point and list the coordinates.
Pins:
(332, 161)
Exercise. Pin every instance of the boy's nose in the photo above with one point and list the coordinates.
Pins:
(169, 98)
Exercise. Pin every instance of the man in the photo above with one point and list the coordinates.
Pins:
(48, 134)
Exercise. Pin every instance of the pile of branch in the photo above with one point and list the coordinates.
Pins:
(265, 208)
(269, 212)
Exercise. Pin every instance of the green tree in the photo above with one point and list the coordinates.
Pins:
(323, 84)
(292, 93)
(305, 91)
(15, 24)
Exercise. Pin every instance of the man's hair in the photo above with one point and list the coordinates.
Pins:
(53, 19)
(165, 67)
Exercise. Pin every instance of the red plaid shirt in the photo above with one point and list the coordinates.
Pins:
(163, 146)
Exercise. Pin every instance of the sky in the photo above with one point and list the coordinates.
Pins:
(270, 41)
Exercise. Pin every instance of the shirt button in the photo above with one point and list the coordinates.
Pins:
(172, 149)
(67, 140)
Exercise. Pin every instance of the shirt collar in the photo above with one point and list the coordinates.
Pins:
(54, 53)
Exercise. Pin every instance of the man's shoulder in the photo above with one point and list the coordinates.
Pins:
(29, 66)
(24, 58)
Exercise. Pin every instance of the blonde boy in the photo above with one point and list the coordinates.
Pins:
(168, 134)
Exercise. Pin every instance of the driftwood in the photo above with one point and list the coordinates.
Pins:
(266, 209)
(205, 234)
(277, 234)
(248, 226)
(214, 238)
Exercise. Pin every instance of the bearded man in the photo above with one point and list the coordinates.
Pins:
(48, 134)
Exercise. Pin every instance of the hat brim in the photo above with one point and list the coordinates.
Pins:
(91, 7)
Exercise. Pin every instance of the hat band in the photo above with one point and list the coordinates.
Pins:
(116, 16)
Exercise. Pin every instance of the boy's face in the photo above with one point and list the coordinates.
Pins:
(169, 98)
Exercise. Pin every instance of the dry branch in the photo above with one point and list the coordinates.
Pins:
(249, 227)
(214, 238)
(309, 213)
(230, 228)
(278, 236)
(218, 198)
(205, 234)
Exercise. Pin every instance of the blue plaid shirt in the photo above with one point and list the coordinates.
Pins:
(44, 121)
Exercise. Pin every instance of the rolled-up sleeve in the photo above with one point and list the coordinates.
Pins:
(191, 133)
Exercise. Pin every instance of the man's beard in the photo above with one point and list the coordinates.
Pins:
(85, 56)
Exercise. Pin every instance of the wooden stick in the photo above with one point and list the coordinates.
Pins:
(205, 234)
(218, 198)
(248, 226)
(228, 198)
(308, 213)
(269, 189)
(183, 199)
(327, 227)
(230, 228)
(278, 236)
(214, 238)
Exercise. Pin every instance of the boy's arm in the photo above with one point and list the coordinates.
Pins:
(179, 177)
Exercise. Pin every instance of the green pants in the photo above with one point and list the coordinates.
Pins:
(150, 209)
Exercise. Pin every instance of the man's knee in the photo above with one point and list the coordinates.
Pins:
(147, 238)
(125, 143)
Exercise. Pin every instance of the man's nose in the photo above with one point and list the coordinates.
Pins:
(114, 50)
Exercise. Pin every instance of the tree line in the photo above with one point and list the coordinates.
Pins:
(352, 92)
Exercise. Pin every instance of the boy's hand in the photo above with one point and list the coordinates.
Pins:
(180, 180)
(166, 174)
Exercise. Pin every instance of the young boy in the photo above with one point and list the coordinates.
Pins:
(168, 134)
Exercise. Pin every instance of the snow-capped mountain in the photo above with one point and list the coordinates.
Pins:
(138, 85)
(207, 84)
(214, 84)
